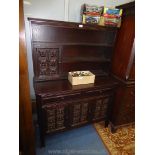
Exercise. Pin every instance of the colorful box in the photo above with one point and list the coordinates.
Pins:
(111, 17)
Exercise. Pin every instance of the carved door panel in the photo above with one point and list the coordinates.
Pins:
(55, 117)
(46, 63)
(79, 113)
(100, 108)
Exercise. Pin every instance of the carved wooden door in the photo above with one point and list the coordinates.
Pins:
(100, 108)
(46, 63)
(78, 112)
(55, 117)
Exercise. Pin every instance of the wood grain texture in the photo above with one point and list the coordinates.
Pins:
(87, 48)
(123, 68)
(58, 48)
(124, 106)
(62, 107)
(123, 57)
(27, 146)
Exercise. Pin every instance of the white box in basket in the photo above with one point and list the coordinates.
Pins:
(81, 77)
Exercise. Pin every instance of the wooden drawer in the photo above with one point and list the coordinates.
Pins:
(98, 92)
(77, 95)
(60, 98)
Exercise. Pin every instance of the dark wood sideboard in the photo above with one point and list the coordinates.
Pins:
(59, 47)
(123, 68)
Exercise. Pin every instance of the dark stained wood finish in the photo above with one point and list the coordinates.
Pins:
(71, 25)
(124, 55)
(54, 35)
(123, 68)
(26, 130)
(63, 86)
(60, 47)
(128, 8)
(124, 105)
(79, 105)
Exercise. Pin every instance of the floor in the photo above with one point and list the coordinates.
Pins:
(79, 141)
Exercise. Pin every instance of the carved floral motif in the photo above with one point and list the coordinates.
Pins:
(55, 119)
(48, 61)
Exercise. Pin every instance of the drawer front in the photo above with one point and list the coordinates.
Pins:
(55, 117)
(97, 92)
(76, 95)
(61, 98)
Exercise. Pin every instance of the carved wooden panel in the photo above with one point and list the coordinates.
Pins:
(51, 122)
(55, 117)
(84, 112)
(47, 62)
(100, 108)
(79, 113)
(76, 113)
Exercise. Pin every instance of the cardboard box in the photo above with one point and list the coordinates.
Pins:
(111, 17)
(103, 22)
(83, 77)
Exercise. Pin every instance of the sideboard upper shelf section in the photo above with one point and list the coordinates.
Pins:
(60, 47)
(69, 32)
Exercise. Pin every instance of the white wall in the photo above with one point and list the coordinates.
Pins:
(46, 9)
(75, 6)
(57, 10)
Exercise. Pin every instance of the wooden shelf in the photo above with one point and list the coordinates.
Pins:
(45, 44)
(73, 25)
(82, 59)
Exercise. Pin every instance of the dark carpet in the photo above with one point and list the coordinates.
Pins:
(80, 141)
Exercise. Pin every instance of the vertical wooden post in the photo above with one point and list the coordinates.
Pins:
(26, 130)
